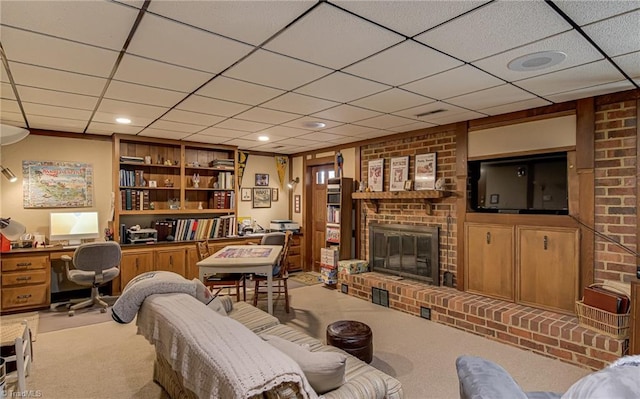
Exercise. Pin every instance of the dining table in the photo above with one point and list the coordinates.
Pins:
(244, 259)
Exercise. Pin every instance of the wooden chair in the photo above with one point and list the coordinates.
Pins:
(220, 281)
(279, 279)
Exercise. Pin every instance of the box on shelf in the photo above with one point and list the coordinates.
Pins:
(353, 266)
(329, 275)
(329, 256)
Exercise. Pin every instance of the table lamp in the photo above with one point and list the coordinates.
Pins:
(10, 230)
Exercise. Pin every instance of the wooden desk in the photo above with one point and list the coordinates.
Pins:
(244, 259)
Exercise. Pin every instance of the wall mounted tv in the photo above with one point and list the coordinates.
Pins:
(535, 184)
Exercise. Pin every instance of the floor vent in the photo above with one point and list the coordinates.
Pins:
(344, 288)
(380, 297)
(425, 313)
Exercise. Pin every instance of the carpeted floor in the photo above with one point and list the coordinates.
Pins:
(306, 278)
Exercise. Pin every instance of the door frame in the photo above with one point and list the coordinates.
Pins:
(308, 164)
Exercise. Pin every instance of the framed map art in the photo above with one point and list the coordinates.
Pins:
(55, 184)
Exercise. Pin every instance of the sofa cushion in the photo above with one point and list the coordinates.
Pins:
(324, 370)
(480, 379)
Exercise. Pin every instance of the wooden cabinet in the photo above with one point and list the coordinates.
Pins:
(25, 282)
(294, 259)
(547, 267)
(171, 260)
(133, 263)
(489, 260)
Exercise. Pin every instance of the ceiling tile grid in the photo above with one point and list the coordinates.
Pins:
(227, 72)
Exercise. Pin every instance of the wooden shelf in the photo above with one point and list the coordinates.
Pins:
(426, 195)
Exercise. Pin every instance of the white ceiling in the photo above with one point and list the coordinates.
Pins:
(226, 72)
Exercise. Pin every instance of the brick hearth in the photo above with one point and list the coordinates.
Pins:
(547, 333)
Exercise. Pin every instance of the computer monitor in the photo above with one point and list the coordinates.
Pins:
(73, 226)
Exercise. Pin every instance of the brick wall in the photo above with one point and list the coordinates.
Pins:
(413, 212)
(615, 190)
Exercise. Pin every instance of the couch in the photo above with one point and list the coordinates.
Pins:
(483, 379)
(218, 348)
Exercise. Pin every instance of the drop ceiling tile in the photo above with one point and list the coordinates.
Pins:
(321, 136)
(284, 131)
(343, 140)
(176, 126)
(446, 108)
(110, 118)
(242, 125)
(341, 87)
(53, 111)
(298, 103)
(52, 97)
(494, 28)
(607, 88)
(517, 106)
(273, 138)
(131, 110)
(596, 10)
(218, 132)
(384, 122)
(4, 77)
(228, 89)
(176, 43)
(269, 116)
(301, 123)
(14, 118)
(465, 115)
(319, 37)
(494, 96)
(411, 127)
(163, 134)
(244, 144)
(406, 62)
(625, 29)
(202, 138)
(452, 83)
(296, 141)
(100, 23)
(372, 134)
(577, 49)
(28, 75)
(274, 70)
(143, 71)
(56, 53)
(349, 130)
(211, 106)
(630, 64)
(196, 118)
(58, 124)
(142, 94)
(392, 100)
(6, 91)
(7, 105)
(579, 77)
(110, 128)
(231, 19)
(408, 17)
(346, 113)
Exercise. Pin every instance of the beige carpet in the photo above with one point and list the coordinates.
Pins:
(109, 360)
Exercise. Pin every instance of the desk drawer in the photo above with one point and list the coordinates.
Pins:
(19, 297)
(16, 263)
(22, 278)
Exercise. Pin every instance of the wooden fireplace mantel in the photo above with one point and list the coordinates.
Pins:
(426, 195)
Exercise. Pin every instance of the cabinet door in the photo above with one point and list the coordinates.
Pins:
(489, 260)
(171, 260)
(134, 263)
(547, 271)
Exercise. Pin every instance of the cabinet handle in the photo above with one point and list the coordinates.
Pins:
(137, 266)
(545, 242)
(25, 278)
(170, 260)
(488, 237)
(24, 264)
(24, 296)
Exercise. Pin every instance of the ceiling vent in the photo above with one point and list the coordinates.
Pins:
(435, 111)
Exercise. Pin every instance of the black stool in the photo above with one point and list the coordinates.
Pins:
(353, 337)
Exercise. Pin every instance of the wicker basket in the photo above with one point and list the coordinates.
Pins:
(613, 324)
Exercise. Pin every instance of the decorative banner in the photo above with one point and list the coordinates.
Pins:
(52, 184)
(281, 166)
(242, 163)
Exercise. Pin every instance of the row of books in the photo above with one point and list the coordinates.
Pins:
(225, 181)
(222, 200)
(192, 229)
(131, 200)
(132, 178)
(333, 214)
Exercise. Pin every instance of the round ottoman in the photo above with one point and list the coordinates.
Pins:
(352, 337)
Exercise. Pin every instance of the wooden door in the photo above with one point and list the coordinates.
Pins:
(134, 263)
(547, 272)
(317, 210)
(171, 260)
(489, 266)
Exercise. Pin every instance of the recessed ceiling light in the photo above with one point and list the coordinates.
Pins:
(315, 125)
(263, 138)
(124, 121)
(536, 61)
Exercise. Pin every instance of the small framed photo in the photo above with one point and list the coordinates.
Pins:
(262, 179)
(153, 183)
(261, 197)
(274, 194)
(245, 194)
(408, 185)
(296, 203)
(399, 173)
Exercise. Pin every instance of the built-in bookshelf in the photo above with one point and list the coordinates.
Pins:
(338, 230)
(158, 180)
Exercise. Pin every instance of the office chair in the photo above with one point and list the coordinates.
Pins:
(95, 264)
(280, 269)
(220, 281)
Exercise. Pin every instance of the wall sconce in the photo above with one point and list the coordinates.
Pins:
(292, 184)
(9, 174)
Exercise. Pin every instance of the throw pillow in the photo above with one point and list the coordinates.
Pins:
(202, 292)
(324, 370)
(620, 380)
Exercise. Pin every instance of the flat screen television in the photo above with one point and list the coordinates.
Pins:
(73, 226)
(535, 184)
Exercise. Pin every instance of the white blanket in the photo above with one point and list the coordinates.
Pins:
(217, 356)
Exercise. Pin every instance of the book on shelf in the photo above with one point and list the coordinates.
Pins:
(129, 158)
